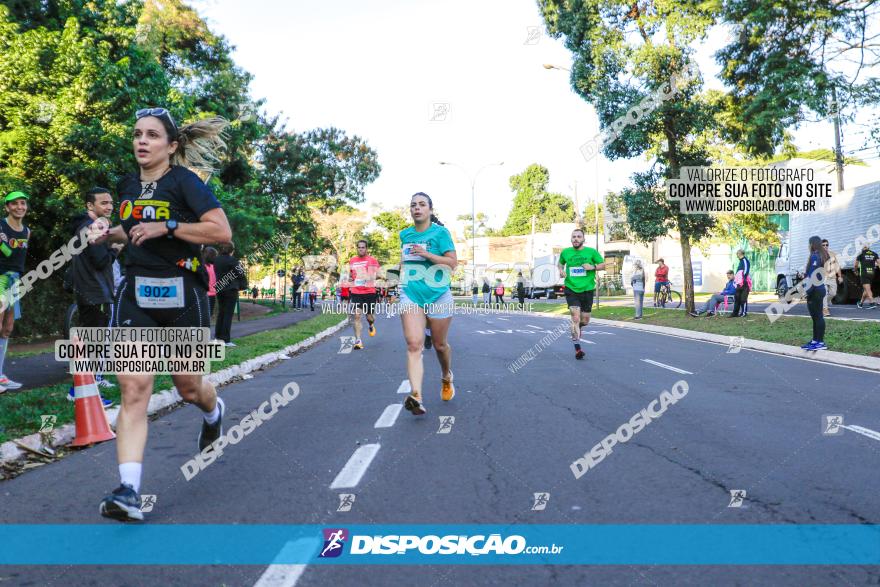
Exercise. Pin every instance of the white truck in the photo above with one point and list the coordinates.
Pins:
(847, 220)
(545, 281)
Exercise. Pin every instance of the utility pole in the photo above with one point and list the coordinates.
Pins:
(577, 205)
(838, 152)
(532, 252)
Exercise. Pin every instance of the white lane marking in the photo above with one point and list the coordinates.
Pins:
(863, 431)
(535, 327)
(505, 319)
(286, 575)
(404, 387)
(354, 469)
(586, 341)
(727, 344)
(670, 367)
(389, 416)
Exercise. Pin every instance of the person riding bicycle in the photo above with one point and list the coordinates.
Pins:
(661, 278)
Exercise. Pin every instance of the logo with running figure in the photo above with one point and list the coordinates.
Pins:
(334, 541)
(832, 424)
(446, 423)
(737, 497)
(541, 500)
(346, 500)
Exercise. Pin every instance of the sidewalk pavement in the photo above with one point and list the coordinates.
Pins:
(42, 369)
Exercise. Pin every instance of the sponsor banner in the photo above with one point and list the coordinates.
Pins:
(673, 544)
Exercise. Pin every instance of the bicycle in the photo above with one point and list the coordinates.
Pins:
(668, 296)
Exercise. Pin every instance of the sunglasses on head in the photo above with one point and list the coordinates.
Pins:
(157, 112)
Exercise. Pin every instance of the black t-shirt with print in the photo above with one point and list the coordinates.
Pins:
(13, 247)
(178, 195)
(866, 261)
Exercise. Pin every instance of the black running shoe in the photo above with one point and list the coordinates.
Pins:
(211, 432)
(414, 406)
(579, 354)
(124, 504)
(427, 341)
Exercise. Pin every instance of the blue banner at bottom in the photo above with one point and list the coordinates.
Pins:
(440, 544)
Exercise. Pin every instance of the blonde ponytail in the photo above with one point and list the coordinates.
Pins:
(201, 145)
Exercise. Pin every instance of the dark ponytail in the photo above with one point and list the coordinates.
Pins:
(434, 219)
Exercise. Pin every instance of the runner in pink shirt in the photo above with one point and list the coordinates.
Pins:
(362, 277)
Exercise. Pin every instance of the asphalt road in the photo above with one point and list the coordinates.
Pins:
(750, 421)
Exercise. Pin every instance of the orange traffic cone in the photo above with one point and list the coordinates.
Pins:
(91, 421)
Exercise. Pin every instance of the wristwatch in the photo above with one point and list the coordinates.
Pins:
(171, 225)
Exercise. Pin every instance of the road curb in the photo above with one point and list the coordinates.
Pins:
(10, 452)
(833, 357)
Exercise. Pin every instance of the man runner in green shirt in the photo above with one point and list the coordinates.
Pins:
(578, 265)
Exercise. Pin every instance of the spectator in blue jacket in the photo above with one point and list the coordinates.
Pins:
(712, 303)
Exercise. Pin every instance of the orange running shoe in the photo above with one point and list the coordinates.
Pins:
(447, 391)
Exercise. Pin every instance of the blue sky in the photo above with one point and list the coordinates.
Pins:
(376, 69)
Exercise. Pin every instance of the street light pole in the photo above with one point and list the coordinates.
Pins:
(473, 211)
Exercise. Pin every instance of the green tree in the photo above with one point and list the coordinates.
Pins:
(467, 219)
(323, 169)
(625, 52)
(532, 200)
(589, 218)
(385, 239)
(787, 58)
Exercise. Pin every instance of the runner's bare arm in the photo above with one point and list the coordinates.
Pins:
(212, 227)
(589, 267)
(449, 258)
(561, 267)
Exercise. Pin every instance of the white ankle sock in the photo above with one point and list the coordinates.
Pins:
(214, 415)
(130, 474)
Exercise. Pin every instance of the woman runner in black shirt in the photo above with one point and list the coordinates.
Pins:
(166, 213)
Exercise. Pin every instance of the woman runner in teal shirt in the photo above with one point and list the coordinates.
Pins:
(427, 261)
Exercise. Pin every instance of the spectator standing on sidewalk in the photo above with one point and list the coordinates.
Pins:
(499, 292)
(296, 289)
(487, 292)
(661, 278)
(313, 295)
(638, 284)
(833, 276)
(91, 271)
(474, 291)
(521, 289)
(742, 280)
(228, 277)
(816, 293)
(866, 265)
(210, 255)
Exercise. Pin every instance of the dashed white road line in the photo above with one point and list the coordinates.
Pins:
(665, 366)
(354, 469)
(404, 387)
(389, 416)
(586, 341)
(283, 575)
(535, 327)
(863, 431)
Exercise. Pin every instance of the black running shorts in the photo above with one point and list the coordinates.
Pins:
(365, 302)
(149, 301)
(582, 299)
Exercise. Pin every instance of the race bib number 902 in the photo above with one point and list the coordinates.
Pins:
(159, 292)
